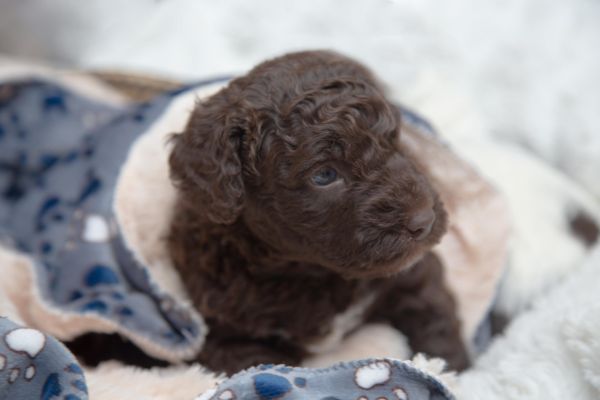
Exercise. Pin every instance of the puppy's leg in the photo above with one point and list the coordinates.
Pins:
(233, 354)
(419, 305)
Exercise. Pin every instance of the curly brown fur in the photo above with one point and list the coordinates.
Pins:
(296, 200)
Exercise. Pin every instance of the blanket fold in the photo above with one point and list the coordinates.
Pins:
(58, 184)
(34, 365)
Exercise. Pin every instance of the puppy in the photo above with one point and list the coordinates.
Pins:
(297, 203)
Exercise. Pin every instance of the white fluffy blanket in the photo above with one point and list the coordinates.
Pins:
(529, 67)
(552, 351)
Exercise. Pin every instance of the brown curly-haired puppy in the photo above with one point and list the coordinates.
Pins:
(296, 202)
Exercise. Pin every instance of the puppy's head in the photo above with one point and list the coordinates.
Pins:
(305, 151)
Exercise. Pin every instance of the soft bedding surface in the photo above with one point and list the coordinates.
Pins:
(82, 247)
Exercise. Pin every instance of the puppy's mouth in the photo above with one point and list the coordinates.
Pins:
(409, 252)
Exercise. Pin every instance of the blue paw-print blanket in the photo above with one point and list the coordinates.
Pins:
(60, 157)
(34, 366)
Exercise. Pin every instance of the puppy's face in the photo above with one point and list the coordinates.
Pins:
(323, 177)
(335, 188)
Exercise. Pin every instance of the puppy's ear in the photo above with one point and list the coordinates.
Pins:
(205, 163)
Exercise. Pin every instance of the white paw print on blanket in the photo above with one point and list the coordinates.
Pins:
(25, 340)
(96, 229)
(373, 374)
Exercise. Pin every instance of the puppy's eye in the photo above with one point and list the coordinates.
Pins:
(324, 176)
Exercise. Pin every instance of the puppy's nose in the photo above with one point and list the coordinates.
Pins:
(420, 223)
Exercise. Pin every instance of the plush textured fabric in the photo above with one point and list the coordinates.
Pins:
(374, 378)
(34, 365)
(551, 351)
